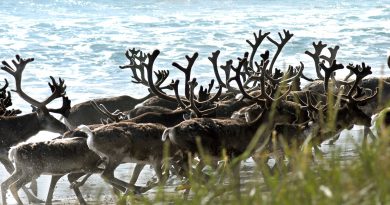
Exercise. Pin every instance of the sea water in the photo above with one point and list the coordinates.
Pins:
(84, 42)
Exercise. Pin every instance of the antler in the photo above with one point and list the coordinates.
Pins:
(258, 40)
(264, 93)
(192, 103)
(213, 59)
(115, 116)
(2, 90)
(132, 55)
(388, 61)
(65, 109)
(204, 94)
(6, 99)
(328, 72)
(333, 53)
(237, 77)
(175, 86)
(192, 84)
(284, 79)
(226, 69)
(187, 71)
(316, 57)
(280, 46)
(161, 75)
(20, 64)
(360, 72)
(149, 68)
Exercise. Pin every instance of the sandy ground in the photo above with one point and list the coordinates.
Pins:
(96, 191)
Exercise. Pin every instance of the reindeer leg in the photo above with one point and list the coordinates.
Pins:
(5, 185)
(160, 177)
(72, 177)
(136, 172)
(334, 139)
(75, 183)
(367, 132)
(236, 180)
(108, 176)
(10, 169)
(24, 179)
(34, 187)
(53, 181)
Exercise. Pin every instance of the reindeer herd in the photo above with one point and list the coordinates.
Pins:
(256, 108)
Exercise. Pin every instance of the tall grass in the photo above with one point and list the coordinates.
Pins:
(301, 179)
(364, 179)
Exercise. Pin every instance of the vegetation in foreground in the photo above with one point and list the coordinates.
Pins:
(326, 180)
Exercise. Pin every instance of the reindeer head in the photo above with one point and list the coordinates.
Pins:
(46, 120)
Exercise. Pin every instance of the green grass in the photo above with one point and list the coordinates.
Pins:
(365, 179)
(330, 179)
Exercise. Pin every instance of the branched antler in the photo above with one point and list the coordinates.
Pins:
(258, 40)
(161, 75)
(58, 90)
(3, 89)
(264, 93)
(227, 68)
(287, 37)
(214, 60)
(132, 55)
(149, 67)
(328, 72)
(65, 108)
(115, 116)
(187, 71)
(237, 77)
(316, 57)
(360, 72)
(285, 78)
(192, 84)
(333, 53)
(175, 86)
(204, 94)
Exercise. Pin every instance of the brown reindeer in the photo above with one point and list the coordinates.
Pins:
(231, 136)
(16, 129)
(84, 113)
(72, 154)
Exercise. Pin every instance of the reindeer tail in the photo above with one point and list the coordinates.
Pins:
(12, 153)
(88, 132)
(165, 134)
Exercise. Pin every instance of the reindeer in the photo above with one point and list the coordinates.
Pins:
(77, 169)
(213, 136)
(351, 111)
(84, 113)
(16, 129)
(139, 143)
(72, 153)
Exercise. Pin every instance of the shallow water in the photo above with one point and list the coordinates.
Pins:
(84, 41)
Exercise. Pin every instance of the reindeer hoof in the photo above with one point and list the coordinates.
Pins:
(34, 200)
(136, 190)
